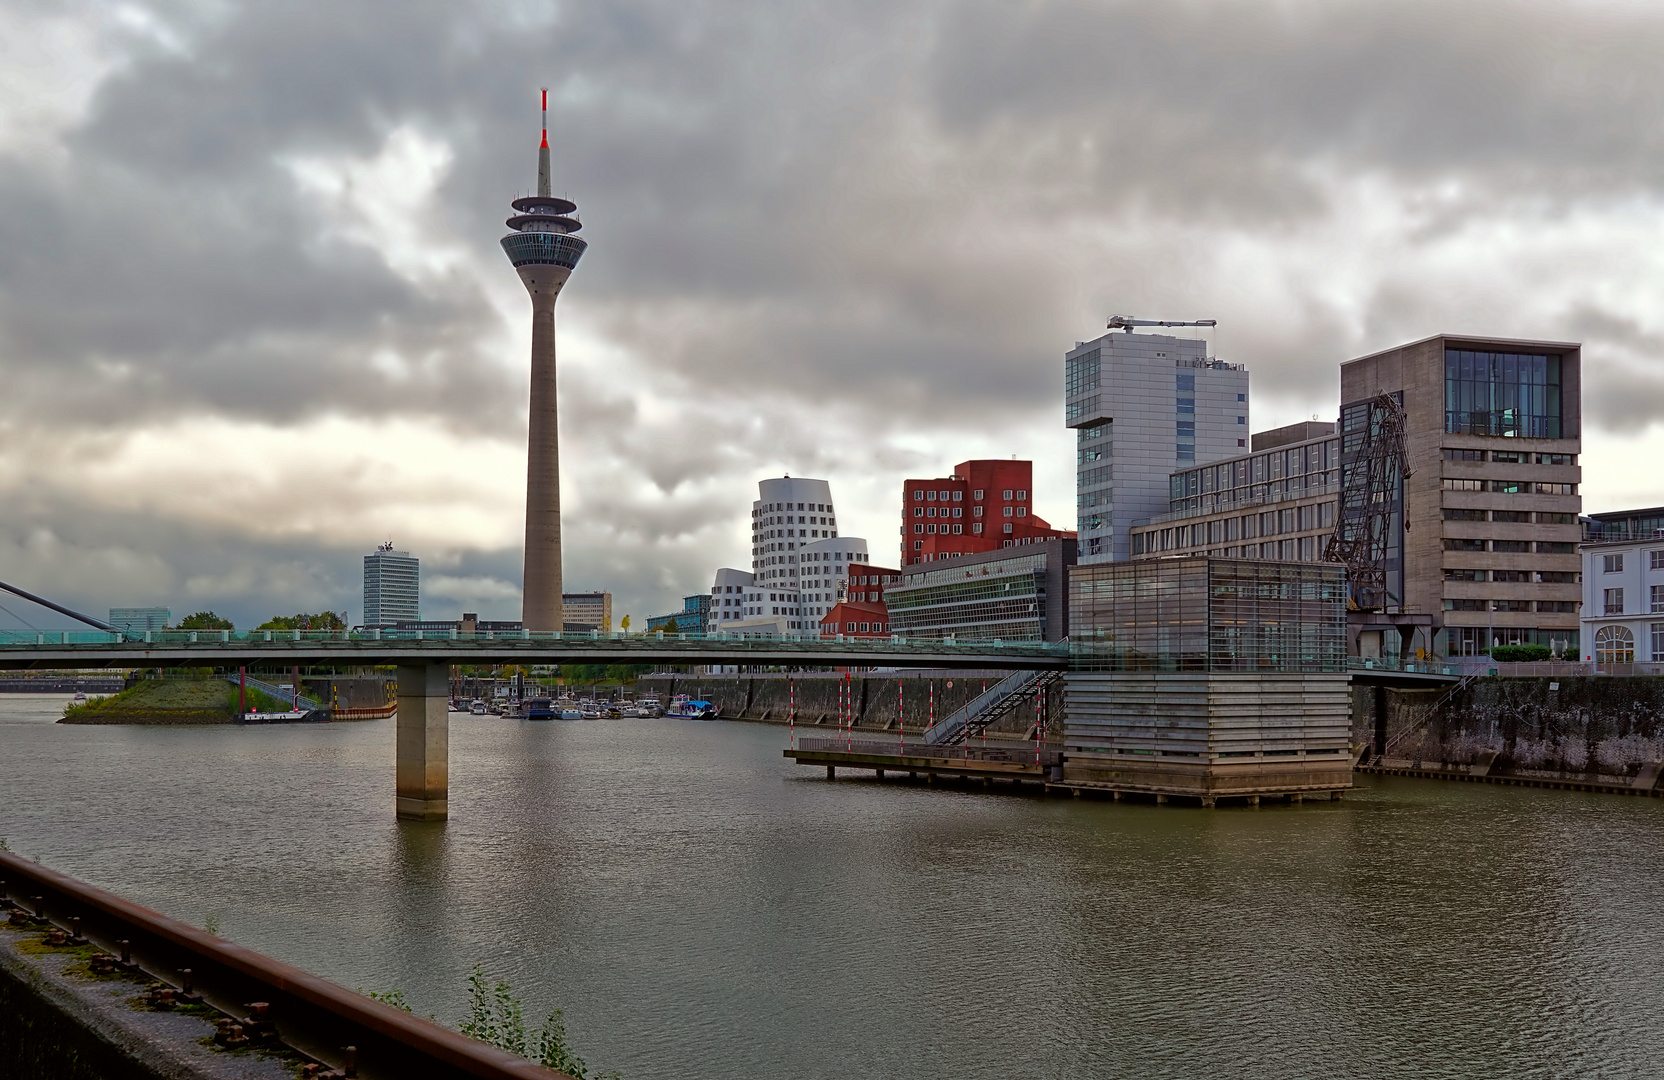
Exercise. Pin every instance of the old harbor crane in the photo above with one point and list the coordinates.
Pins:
(1374, 467)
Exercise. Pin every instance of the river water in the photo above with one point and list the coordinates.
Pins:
(700, 907)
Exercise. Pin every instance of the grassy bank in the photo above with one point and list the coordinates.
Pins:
(171, 701)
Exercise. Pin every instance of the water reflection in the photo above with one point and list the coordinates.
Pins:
(701, 908)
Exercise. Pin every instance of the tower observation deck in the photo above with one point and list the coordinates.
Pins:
(543, 252)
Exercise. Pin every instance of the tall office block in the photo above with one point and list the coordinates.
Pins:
(1485, 549)
(392, 586)
(544, 253)
(137, 620)
(1143, 406)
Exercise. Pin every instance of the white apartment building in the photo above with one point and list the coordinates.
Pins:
(1143, 407)
(392, 587)
(798, 561)
(1622, 621)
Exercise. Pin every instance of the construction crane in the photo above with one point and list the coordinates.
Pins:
(1373, 473)
(1125, 322)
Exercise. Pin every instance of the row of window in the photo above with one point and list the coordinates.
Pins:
(952, 530)
(1258, 469)
(858, 628)
(1614, 564)
(923, 495)
(1514, 394)
(1510, 457)
(1542, 547)
(1086, 478)
(1613, 601)
(1522, 517)
(1509, 487)
(781, 508)
(1301, 549)
(1542, 577)
(1564, 607)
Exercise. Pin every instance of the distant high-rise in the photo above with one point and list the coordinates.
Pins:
(1144, 406)
(392, 586)
(139, 619)
(544, 253)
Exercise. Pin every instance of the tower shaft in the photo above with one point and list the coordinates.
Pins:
(541, 600)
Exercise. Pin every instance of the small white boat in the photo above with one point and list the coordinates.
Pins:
(78, 699)
(683, 707)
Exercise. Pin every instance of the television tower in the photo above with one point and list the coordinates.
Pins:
(544, 253)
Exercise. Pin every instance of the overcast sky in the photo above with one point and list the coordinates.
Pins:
(254, 317)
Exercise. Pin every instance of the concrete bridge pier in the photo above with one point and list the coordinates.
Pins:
(424, 736)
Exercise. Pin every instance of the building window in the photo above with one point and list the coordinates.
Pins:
(918, 545)
(958, 496)
(1511, 545)
(1510, 457)
(1242, 397)
(976, 529)
(1022, 511)
(1008, 527)
(1242, 419)
(1556, 489)
(1614, 604)
(1184, 382)
(1564, 607)
(918, 511)
(1658, 598)
(1612, 564)
(1451, 484)
(1489, 393)
(1080, 373)
(1520, 517)
(1557, 577)
(1511, 487)
(1614, 645)
(1655, 560)
(958, 529)
(1185, 406)
(1464, 455)
(1008, 494)
(976, 511)
(930, 496)
(918, 494)
(1464, 575)
(1511, 575)
(1658, 641)
(977, 494)
(1463, 515)
(1008, 514)
(918, 528)
(1556, 547)
(1464, 605)
(1557, 459)
(1456, 544)
(1021, 494)
(1510, 605)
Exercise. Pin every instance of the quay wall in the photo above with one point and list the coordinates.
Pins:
(873, 698)
(1583, 727)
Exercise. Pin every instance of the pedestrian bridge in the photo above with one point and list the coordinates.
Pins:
(57, 649)
(424, 660)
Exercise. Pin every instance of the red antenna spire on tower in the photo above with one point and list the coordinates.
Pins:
(545, 116)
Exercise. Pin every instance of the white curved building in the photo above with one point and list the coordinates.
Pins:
(798, 562)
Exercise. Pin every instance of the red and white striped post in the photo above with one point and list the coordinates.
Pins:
(791, 712)
(984, 726)
(1039, 721)
(901, 715)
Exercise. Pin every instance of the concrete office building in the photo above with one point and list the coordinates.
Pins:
(392, 587)
(1276, 502)
(1014, 594)
(583, 612)
(544, 253)
(1143, 405)
(1622, 620)
(1484, 552)
(138, 620)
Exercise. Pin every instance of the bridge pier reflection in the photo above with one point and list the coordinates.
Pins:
(423, 779)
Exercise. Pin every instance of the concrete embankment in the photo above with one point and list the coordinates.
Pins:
(1602, 730)
(872, 701)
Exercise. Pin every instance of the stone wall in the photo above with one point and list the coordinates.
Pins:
(872, 698)
(1586, 726)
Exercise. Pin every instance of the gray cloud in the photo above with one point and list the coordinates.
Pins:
(822, 236)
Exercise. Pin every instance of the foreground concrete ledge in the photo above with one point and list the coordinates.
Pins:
(57, 1020)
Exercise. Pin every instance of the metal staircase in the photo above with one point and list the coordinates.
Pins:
(1000, 700)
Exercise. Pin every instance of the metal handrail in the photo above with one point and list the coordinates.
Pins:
(311, 1015)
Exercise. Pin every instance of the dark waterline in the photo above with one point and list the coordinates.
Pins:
(702, 908)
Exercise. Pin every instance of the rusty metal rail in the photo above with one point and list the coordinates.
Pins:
(346, 1032)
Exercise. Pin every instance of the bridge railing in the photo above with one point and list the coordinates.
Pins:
(445, 639)
(1409, 666)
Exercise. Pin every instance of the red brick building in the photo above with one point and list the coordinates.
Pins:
(983, 506)
(861, 613)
